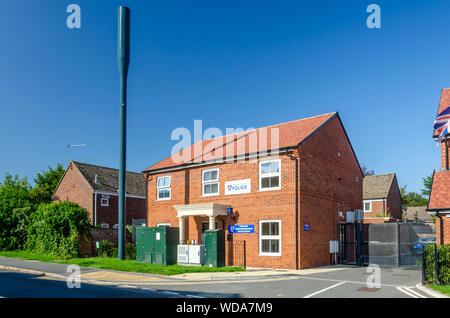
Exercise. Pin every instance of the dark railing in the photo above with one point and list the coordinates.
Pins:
(235, 254)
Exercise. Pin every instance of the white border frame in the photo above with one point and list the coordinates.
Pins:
(104, 204)
(211, 182)
(364, 206)
(164, 224)
(269, 175)
(269, 237)
(164, 188)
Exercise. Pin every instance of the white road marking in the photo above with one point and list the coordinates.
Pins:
(325, 289)
(169, 292)
(194, 296)
(127, 286)
(404, 291)
(150, 289)
(414, 292)
(2, 297)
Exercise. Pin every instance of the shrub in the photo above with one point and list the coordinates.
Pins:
(55, 229)
(130, 251)
(105, 249)
(443, 264)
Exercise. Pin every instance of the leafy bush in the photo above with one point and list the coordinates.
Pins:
(443, 264)
(14, 194)
(55, 229)
(130, 251)
(105, 249)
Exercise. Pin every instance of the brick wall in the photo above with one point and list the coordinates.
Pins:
(75, 188)
(394, 201)
(87, 247)
(446, 229)
(443, 163)
(135, 209)
(329, 176)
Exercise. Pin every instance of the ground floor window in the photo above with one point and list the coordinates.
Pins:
(163, 224)
(270, 237)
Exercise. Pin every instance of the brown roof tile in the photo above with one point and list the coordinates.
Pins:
(290, 134)
(440, 191)
(377, 186)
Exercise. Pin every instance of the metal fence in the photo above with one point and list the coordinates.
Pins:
(392, 244)
(235, 253)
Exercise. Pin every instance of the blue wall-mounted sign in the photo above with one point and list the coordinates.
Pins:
(244, 228)
(306, 226)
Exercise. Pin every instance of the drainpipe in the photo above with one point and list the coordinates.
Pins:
(95, 208)
(446, 153)
(296, 206)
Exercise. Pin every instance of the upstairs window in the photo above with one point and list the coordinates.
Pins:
(270, 175)
(210, 182)
(104, 200)
(163, 186)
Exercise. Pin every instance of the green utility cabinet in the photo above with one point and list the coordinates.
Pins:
(157, 245)
(215, 248)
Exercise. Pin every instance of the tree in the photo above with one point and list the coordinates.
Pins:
(427, 181)
(14, 196)
(366, 171)
(46, 183)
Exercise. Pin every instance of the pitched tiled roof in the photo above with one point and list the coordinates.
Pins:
(440, 191)
(417, 211)
(290, 134)
(108, 179)
(444, 102)
(377, 186)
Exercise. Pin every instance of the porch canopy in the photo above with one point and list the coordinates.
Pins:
(210, 210)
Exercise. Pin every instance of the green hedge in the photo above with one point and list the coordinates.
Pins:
(55, 229)
(443, 264)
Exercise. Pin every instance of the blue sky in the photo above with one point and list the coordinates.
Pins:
(247, 63)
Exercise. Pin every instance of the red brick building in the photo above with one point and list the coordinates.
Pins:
(382, 199)
(289, 190)
(439, 202)
(96, 189)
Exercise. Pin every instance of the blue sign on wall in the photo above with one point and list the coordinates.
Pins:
(244, 228)
(306, 226)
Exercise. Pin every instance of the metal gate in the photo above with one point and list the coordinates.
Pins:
(350, 243)
(235, 253)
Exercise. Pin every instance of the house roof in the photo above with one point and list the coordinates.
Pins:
(289, 134)
(417, 211)
(444, 102)
(377, 186)
(108, 179)
(440, 191)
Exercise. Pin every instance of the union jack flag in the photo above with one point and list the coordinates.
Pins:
(443, 131)
(442, 118)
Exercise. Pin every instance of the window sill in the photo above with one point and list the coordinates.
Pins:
(269, 189)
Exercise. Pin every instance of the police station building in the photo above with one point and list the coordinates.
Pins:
(282, 200)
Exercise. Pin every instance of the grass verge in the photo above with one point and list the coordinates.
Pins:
(115, 264)
(445, 289)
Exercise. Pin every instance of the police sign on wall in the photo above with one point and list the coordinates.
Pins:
(237, 187)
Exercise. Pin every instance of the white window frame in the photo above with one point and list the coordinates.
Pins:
(163, 224)
(104, 202)
(269, 237)
(364, 207)
(104, 225)
(158, 188)
(116, 226)
(270, 175)
(210, 182)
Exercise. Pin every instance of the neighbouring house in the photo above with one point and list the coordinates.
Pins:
(439, 200)
(382, 199)
(417, 214)
(285, 194)
(96, 189)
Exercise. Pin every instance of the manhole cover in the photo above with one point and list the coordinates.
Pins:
(367, 289)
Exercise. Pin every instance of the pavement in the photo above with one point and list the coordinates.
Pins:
(329, 281)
